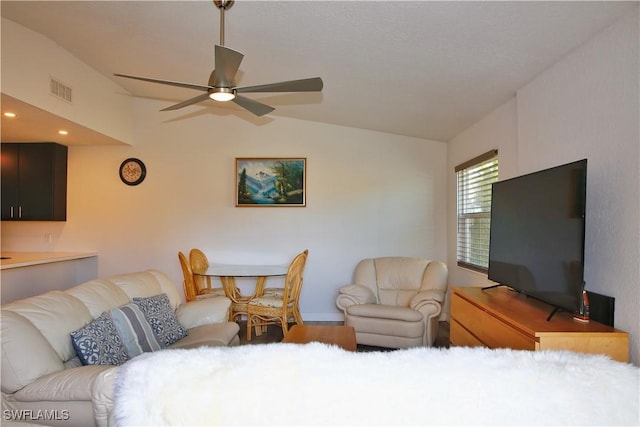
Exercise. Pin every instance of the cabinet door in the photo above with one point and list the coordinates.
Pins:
(34, 184)
(9, 171)
(34, 174)
(42, 176)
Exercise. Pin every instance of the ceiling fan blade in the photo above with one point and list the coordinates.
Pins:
(304, 85)
(257, 108)
(190, 101)
(227, 64)
(166, 82)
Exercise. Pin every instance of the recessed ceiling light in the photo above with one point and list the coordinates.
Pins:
(63, 132)
(9, 114)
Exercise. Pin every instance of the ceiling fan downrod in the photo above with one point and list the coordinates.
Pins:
(222, 5)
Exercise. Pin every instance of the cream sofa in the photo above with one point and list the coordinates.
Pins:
(395, 301)
(43, 380)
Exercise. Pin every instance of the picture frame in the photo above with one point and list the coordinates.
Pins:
(271, 182)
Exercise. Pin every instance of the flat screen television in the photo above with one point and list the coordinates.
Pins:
(537, 235)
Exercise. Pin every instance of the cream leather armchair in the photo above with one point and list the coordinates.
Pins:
(395, 301)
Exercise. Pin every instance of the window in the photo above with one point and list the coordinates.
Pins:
(474, 180)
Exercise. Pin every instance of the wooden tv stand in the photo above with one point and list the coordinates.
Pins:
(500, 317)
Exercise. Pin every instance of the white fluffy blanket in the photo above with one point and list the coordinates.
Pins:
(317, 384)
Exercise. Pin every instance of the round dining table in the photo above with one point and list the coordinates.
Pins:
(229, 272)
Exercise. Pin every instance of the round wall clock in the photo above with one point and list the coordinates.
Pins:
(132, 171)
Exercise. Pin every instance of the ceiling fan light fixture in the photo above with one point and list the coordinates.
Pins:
(222, 94)
(222, 83)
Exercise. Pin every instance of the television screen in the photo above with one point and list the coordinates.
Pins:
(536, 243)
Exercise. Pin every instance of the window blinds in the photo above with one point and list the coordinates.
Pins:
(474, 179)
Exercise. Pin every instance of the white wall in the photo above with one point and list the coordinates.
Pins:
(368, 194)
(30, 60)
(585, 106)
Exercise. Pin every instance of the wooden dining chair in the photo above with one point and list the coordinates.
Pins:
(199, 264)
(271, 309)
(273, 292)
(190, 290)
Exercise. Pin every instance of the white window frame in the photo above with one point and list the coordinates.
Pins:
(473, 195)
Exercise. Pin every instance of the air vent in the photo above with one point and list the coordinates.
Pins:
(59, 90)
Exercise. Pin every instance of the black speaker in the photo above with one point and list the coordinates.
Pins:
(601, 308)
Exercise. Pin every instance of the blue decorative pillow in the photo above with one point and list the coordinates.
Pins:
(135, 330)
(98, 343)
(162, 319)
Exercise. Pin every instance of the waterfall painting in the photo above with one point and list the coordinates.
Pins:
(263, 182)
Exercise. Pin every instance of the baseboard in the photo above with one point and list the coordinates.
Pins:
(323, 317)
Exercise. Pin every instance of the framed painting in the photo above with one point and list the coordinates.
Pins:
(265, 182)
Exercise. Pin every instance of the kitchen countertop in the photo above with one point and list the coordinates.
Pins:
(26, 259)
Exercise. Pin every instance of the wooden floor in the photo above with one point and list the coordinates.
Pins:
(274, 334)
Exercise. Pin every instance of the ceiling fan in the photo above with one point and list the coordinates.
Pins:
(222, 86)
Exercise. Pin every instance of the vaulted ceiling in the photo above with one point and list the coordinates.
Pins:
(416, 68)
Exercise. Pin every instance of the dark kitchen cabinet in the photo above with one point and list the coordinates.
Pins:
(34, 181)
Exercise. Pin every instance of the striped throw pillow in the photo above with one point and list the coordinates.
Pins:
(164, 323)
(135, 330)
